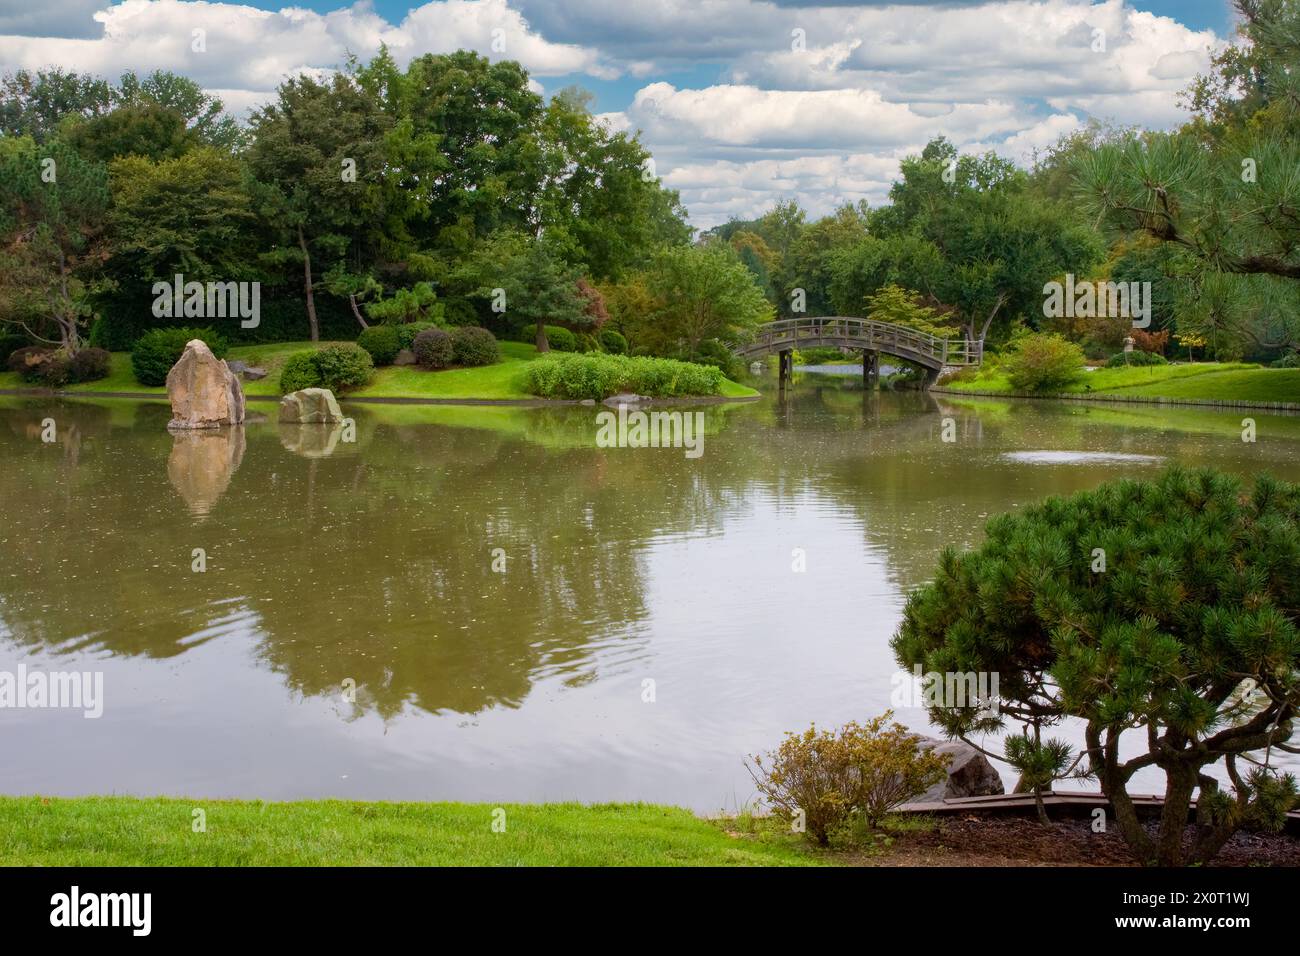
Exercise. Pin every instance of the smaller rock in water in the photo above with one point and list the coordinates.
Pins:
(404, 357)
(310, 406)
(203, 391)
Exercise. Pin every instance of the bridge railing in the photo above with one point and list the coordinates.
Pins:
(864, 334)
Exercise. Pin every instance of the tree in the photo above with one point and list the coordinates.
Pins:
(899, 306)
(52, 217)
(191, 215)
(318, 156)
(998, 243)
(1221, 193)
(809, 262)
(538, 285)
(34, 104)
(41, 104)
(705, 292)
(1162, 610)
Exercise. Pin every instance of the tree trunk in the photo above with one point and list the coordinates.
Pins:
(542, 344)
(65, 315)
(311, 301)
(352, 299)
(1041, 807)
(1113, 785)
(1173, 816)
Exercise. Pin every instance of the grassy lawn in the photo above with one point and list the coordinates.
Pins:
(125, 831)
(1230, 382)
(503, 380)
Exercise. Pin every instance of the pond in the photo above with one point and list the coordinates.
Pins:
(469, 603)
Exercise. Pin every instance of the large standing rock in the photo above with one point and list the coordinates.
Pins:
(969, 773)
(310, 406)
(203, 391)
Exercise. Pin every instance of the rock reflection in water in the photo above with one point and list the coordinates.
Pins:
(202, 463)
(312, 440)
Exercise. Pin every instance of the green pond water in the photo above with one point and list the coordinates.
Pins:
(353, 634)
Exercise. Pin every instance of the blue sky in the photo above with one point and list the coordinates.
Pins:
(742, 102)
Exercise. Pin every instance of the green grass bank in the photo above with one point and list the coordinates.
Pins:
(126, 831)
(503, 380)
(1194, 383)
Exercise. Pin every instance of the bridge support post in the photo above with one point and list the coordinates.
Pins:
(785, 366)
(870, 370)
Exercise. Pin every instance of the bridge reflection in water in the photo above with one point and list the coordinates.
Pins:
(870, 336)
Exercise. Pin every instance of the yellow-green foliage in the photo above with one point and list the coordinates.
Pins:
(828, 776)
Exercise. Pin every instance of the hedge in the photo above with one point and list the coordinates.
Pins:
(595, 375)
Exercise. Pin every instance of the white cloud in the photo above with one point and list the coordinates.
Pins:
(827, 123)
(250, 51)
(804, 120)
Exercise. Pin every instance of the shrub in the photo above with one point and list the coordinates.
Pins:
(559, 338)
(382, 342)
(595, 375)
(336, 367)
(828, 776)
(613, 342)
(1138, 358)
(471, 345)
(407, 332)
(22, 359)
(433, 349)
(713, 352)
(1290, 360)
(1151, 341)
(38, 365)
(299, 371)
(54, 368)
(1042, 362)
(1188, 632)
(344, 367)
(157, 351)
(90, 364)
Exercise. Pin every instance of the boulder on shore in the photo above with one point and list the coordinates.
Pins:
(969, 773)
(204, 393)
(630, 399)
(310, 406)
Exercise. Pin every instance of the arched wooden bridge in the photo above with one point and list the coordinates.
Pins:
(872, 337)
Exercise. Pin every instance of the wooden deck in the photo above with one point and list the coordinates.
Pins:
(1068, 803)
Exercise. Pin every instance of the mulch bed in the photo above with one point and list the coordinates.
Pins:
(986, 840)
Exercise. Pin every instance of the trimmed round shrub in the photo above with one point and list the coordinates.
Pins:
(299, 371)
(382, 342)
(613, 342)
(1042, 362)
(433, 348)
(559, 338)
(344, 367)
(472, 345)
(157, 351)
(1136, 357)
(407, 332)
(90, 364)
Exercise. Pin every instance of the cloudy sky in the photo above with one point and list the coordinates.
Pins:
(742, 101)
